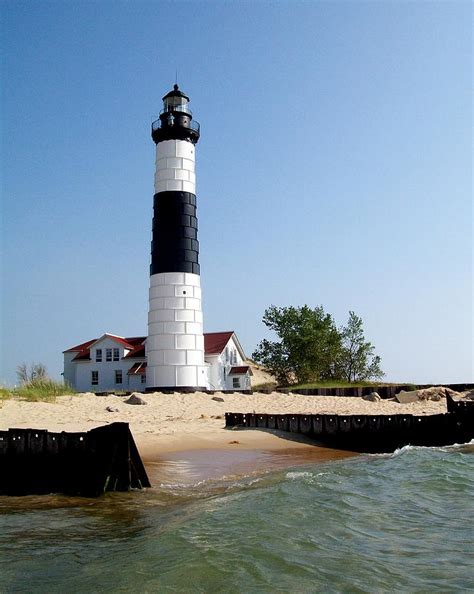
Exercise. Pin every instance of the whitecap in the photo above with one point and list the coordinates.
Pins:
(295, 475)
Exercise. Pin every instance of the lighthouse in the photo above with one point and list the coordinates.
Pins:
(175, 342)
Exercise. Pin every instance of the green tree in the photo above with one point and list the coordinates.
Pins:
(308, 348)
(357, 359)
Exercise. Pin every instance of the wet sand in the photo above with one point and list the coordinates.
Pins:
(192, 467)
(229, 455)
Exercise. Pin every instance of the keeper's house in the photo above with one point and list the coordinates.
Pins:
(111, 363)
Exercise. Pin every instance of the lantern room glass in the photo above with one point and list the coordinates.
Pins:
(176, 103)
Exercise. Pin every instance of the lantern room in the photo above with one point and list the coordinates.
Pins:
(176, 119)
(176, 100)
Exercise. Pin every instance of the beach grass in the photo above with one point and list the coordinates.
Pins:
(41, 390)
(265, 386)
(5, 393)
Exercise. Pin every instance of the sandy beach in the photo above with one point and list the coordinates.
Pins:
(173, 422)
(184, 434)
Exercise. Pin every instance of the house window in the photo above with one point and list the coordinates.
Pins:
(95, 378)
(98, 355)
(236, 382)
(116, 354)
(108, 354)
(143, 379)
(118, 376)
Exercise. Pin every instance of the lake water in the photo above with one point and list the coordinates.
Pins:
(401, 522)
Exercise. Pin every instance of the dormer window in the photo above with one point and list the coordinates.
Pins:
(98, 355)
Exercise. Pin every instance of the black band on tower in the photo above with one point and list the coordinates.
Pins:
(174, 247)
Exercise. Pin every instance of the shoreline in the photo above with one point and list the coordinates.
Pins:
(227, 455)
(182, 437)
(174, 421)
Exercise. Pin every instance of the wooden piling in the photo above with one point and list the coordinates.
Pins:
(34, 461)
(370, 433)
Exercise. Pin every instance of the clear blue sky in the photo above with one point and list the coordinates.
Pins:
(334, 169)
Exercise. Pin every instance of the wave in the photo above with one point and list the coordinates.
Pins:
(298, 475)
(411, 448)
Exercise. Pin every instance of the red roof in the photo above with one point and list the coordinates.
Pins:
(138, 352)
(83, 355)
(242, 370)
(128, 342)
(80, 347)
(83, 350)
(214, 342)
(137, 369)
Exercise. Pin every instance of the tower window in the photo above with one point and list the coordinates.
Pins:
(94, 378)
(98, 355)
(118, 376)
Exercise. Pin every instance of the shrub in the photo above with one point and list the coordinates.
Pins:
(265, 386)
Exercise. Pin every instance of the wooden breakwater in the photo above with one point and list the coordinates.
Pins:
(388, 391)
(370, 433)
(385, 391)
(36, 461)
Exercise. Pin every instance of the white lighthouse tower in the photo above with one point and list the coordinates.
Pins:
(175, 343)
